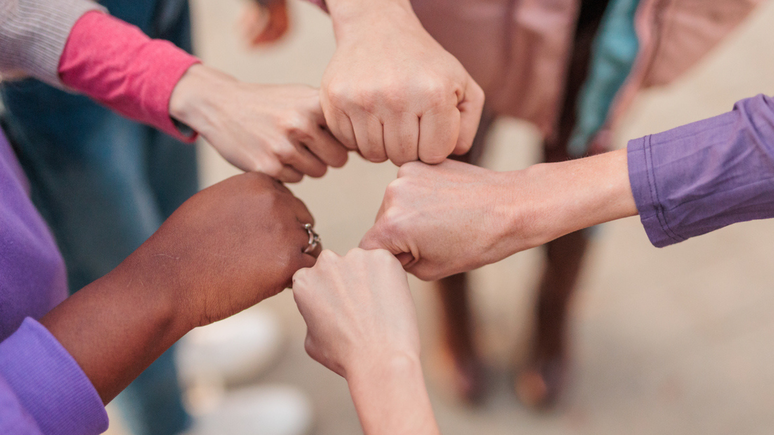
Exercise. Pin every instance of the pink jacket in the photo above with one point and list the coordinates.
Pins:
(518, 50)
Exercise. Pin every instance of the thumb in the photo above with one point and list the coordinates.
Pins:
(375, 238)
(470, 108)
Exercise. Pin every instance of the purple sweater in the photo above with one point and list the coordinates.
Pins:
(42, 388)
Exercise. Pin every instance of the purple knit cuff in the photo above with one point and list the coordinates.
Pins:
(50, 385)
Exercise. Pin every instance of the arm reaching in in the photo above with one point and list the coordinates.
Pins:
(683, 183)
(362, 325)
(391, 91)
(275, 129)
(227, 248)
(278, 130)
(454, 217)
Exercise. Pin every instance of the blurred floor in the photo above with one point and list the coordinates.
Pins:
(678, 341)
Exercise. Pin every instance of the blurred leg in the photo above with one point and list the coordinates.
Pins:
(457, 321)
(541, 383)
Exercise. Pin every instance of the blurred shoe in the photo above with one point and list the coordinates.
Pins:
(262, 410)
(232, 350)
(540, 385)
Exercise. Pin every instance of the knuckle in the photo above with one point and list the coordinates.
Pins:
(326, 256)
(408, 169)
(285, 152)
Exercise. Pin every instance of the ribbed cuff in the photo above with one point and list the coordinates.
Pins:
(50, 385)
(644, 188)
(33, 34)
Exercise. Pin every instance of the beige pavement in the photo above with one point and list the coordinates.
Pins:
(671, 341)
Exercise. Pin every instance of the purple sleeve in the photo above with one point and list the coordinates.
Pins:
(703, 176)
(42, 388)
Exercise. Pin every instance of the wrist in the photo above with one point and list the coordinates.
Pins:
(390, 396)
(197, 97)
(350, 15)
(577, 194)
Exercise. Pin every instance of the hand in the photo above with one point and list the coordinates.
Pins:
(391, 91)
(227, 248)
(361, 324)
(446, 219)
(275, 129)
(454, 217)
(358, 310)
(264, 21)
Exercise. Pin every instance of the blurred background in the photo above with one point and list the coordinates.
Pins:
(677, 340)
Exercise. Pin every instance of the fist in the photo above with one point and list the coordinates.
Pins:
(392, 92)
(228, 247)
(449, 218)
(358, 310)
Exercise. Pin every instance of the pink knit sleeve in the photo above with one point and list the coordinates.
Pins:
(117, 65)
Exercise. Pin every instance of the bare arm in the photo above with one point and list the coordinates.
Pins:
(455, 217)
(362, 325)
(227, 248)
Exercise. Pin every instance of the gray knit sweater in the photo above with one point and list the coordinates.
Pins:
(33, 34)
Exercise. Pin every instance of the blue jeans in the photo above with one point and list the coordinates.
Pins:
(104, 184)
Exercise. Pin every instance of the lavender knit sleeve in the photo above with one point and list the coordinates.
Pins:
(33, 34)
(703, 176)
(42, 388)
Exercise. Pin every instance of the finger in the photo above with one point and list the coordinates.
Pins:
(289, 175)
(405, 258)
(303, 215)
(401, 138)
(305, 162)
(438, 133)
(369, 133)
(332, 152)
(338, 122)
(470, 115)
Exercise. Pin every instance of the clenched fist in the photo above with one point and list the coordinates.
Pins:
(391, 91)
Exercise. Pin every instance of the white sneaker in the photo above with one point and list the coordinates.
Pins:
(262, 410)
(232, 350)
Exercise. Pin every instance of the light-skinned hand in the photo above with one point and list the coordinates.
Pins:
(391, 91)
(275, 129)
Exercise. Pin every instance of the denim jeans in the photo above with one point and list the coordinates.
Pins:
(104, 184)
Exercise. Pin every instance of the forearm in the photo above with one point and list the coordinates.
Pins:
(115, 64)
(346, 14)
(115, 327)
(569, 196)
(391, 397)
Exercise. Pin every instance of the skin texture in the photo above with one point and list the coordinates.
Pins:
(391, 91)
(275, 129)
(362, 325)
(454, 217)
(227, 248)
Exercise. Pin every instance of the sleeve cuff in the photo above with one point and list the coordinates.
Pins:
(50, 385)
(34, 33)
(643, 183)
(116, 64)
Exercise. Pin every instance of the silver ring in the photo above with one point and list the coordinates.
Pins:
(314, 239)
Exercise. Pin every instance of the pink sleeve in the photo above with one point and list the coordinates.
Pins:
(117, 65)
